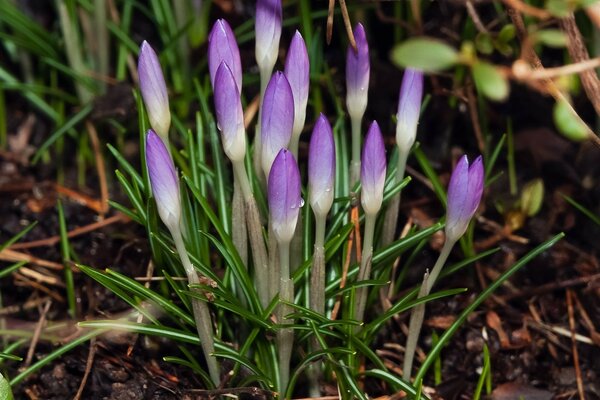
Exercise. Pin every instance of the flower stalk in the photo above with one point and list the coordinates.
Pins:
(357, 86)
(284, 206)
(464, 194)
(373, 170)
(165, 188)
(409, 107)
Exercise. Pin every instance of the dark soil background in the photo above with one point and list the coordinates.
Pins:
(526, 324)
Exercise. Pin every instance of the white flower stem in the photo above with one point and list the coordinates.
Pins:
(285, 336)
(365, 265)
(418, 313)
(294, 142)
(355, 160)
(239, 234)
(317, 281)
(390, 221)
(199, 307)
(317, 296)
(257, 244)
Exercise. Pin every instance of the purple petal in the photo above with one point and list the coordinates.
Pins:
(321, 167)
(464, 194)
(277, 119)
(409, 108)
(163, 179)
(284, 196)
(373, 169)
(222, 46)
(230, 116)
(154, 90)
(297, 71)
(475, 189)
(357, 73)
(268, 32)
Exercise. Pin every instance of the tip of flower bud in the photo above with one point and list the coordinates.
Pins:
(230, 115)
(154, 90)
(321, 167)
(277, 119)
(163, 179)
(409, 108)
(373, 170)
(357, 74)
(284, 196)
(464, 195)
(223, 47)
(297, 71)
(268, 32)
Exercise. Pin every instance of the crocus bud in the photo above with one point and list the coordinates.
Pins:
(372, 170)
(357, 74)
(154, 91)
(222, 46)
(277, 119)
(321, 167)
(409, 108)
(284, 196)
(464, 195)
(163, 180)
(268, 32)
(230, 116)
(297, 71)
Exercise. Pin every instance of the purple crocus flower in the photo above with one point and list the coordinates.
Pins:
(222, 46)
(297, 71)
(277, 119)
(230, 116)
(357, 74)
(163, 180)
(372, 170)
(268, 32)
(321, 167)
(284, 196)
(464, 195)
(409, 108)
(154, 90)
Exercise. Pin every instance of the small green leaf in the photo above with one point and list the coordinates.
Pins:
(425, 54)
(5, 392)
(484, 43)
(559, 8)
(569, 123)
(532, 197)
(490, 81)
(550, 38)
(507, 33)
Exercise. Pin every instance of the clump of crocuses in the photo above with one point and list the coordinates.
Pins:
(270, 227)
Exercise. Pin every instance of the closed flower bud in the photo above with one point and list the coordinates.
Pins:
(163, 180)
(373, 169)
(357, 74)
(297, 71)
(154, 91)
(284, 196)
(222, 47)
(268, 32)
(277, 119)
(230, 116)
(464, 195)
(321, 167)
(409, 108)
